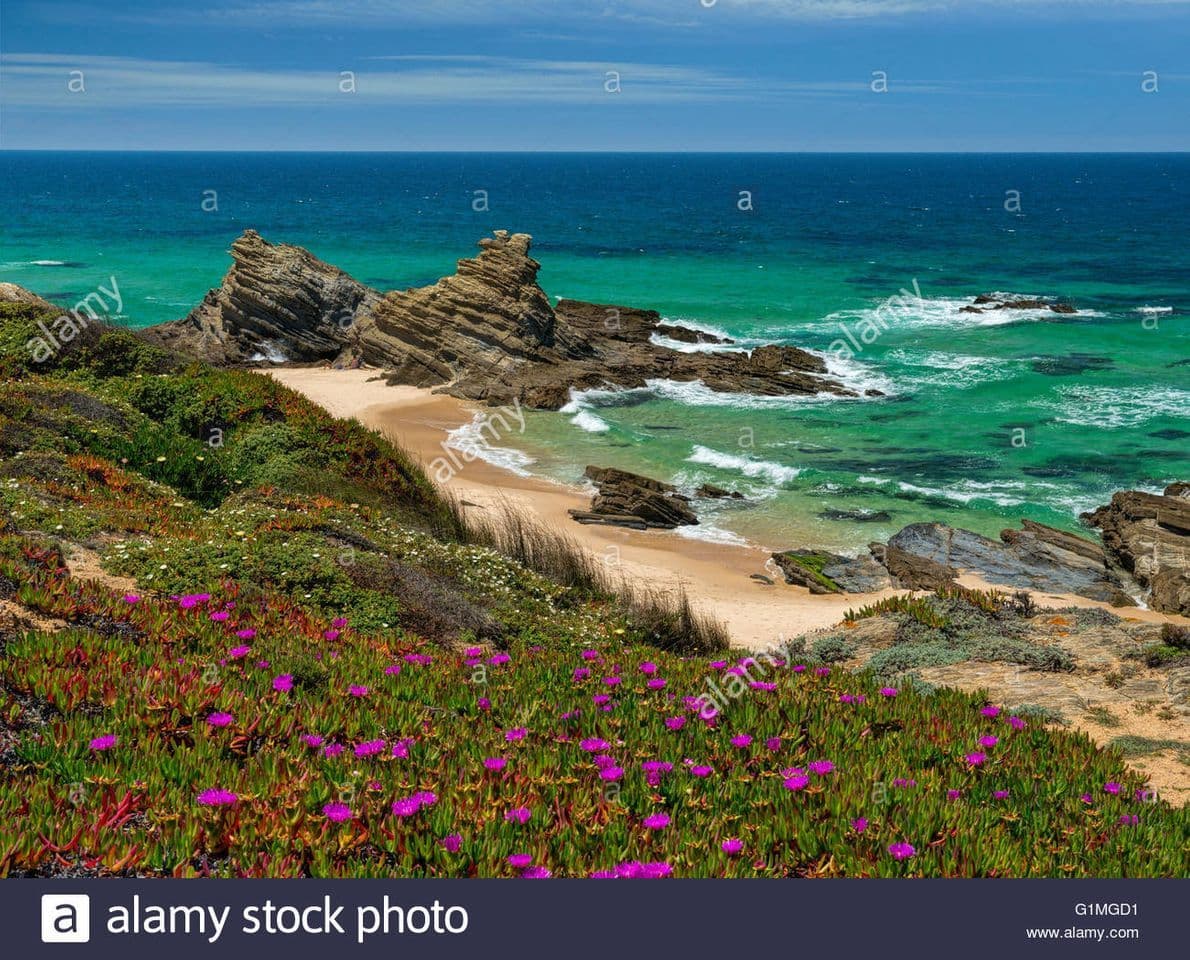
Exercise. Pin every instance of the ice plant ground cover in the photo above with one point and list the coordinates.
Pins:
(117, 767)
(306, 670)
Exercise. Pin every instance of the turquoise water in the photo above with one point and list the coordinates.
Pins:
(987, 418)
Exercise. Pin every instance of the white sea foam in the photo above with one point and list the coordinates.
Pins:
(857, 375)
(471, 439)
(710, 533)
(269, 352)
(953, 370)
(1148, 309)
(590, 422)
(1115, 407)
(748, 466)
(909, 312)
(47, 263)
(585, 418)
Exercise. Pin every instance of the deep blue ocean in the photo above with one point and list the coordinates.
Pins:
(986, 418)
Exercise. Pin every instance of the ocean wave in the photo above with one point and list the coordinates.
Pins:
(710, 534)
(903, 312)
(857, 375)
(749, 466)
(270, 353)
(471, 439)
(1147, 309)
(1115, 407)
(695, 393)
(584, 417)
(953, 370)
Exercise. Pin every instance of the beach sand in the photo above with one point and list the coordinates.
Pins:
(715, 576)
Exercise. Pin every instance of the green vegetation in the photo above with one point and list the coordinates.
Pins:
(324, 670)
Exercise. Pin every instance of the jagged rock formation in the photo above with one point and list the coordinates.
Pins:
(276, 302)
(1149, 537)
(630, 500)
(485, 333)
(12, 293)
(822, 572)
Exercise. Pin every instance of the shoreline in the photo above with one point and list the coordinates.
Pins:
(715, 576)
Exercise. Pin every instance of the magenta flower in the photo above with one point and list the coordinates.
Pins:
(497, 659)
(392, 670)
(593, 745)
(451, 842)
(519, 815)
(988, 741)
(406, 807)
(337, 812)
(657, 683)
(975, 759)
(611, 773)
(357, 690)
(241, 651)
(401, 748)
(889, 692)
(1000, 794)
(718, 664)
(797, 782)
(220, 719)
(763, 685)
(901, 851)
(742, 741)
(106, 742)
(656, 821)
(859, 824)
(535, 873)
(581, 673)
(484, 703)
(283, 682)
(495, 763)
(516, 733)
(1087, 798)
(131, 598)
(990, 711)
(648, 668)
(799, 668)
(519, 860)
(822, 671)
(427, 798)
(191, 600)
(904, 782)
(216, 797)
(1129, 819)
(369, 748)
(1111, 787)
(339, 623)
(953, 794)
(821, 767)
(675, 723)
(732, 846)
(590, 654)
(312, 739)
(701, 770)
(613, 681)
(218, 616)
(1017, 723)
(331, 635)
(332, 750)
(246, 634)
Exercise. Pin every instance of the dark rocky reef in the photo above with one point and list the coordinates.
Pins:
(991, 301)
(485, 333)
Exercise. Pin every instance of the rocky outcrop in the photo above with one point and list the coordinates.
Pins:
(927, 556)
(1148, 535)
(630, 500)
(1036, 558)
(12, 293)
(485, 333)
(277, 302)
(996, 301)
(709, 491)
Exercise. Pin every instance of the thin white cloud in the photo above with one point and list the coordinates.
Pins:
(42, 80)
(663, 13)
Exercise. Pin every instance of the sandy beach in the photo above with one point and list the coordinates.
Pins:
(717, 577)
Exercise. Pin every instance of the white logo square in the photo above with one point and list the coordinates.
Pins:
(65, 918)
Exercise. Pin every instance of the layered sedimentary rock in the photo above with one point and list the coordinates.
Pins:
(277, 302)
(487, 332)
(1148, 535)
(631, 500)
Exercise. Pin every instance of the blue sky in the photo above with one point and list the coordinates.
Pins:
(533, 74)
